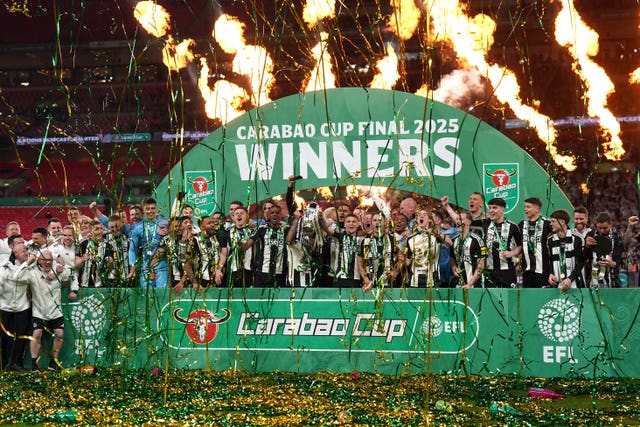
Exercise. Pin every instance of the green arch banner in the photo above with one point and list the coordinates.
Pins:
(361, 136)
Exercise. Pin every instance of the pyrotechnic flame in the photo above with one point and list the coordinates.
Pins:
(584, 188)
(225, 100)
(405, 18)
(300, 202)
(251, 61)
(582, 43)
(153, 18)
(325, 193)
(365, 203)
(228, 31)
(506, 90)
(316, 10)
(352, 192)
(321, 76)
(255, 63)
(471, 39)
(634, 77)
(365, 195)
(176, 57)
(387, 67)
(423, 90)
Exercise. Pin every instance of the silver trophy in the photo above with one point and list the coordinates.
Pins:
(311, 225)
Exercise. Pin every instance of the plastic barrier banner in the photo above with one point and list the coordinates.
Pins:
(481, 331)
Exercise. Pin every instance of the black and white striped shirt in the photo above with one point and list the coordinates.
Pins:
(344, 262)
(270, 254)
(505, 236)
(210, 248)
(466, 252)
(586, 263)
(606, 277)
(565, 258)
(534, 245)
(377, 253)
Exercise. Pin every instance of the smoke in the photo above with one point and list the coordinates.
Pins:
(461, 88)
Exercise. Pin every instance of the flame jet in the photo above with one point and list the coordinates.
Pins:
(155, 21)
(582, 43)
(472, 38)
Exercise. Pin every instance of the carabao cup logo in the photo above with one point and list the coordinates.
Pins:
(559, 320)
(201, 325)
(500, 177)
(501, 180)
(200, 184)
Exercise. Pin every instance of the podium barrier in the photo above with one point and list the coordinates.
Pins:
(528, 332)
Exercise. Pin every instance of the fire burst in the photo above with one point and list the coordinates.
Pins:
(387, 67)
(582, 43)
(321, 77)
(155, 20)
(225, 101)
(316, 10)
(405, 18)
(251, 61)
(472, 38)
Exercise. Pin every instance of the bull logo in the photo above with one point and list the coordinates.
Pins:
(200, 184)
(500, 177)
(502, 180)
(201, 325)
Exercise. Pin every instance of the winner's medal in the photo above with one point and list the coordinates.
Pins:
(563, 261)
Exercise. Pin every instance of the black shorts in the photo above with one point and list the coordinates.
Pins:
(57, 323)
(534, 280)
(501, 279)
(347, 283)
(266, 280)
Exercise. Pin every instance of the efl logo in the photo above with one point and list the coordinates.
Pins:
(559, 321)
(434, 327)
(88, 318)
(202, 325)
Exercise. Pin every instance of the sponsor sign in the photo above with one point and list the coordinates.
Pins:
(71, 139)
(126, 137)
(89, 320)
(559, 321)
(501, 180)
(529, 332)
(200, 191)
(407, 326)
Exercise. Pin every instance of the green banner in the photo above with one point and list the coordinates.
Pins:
(368, 137)
(528, 332)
